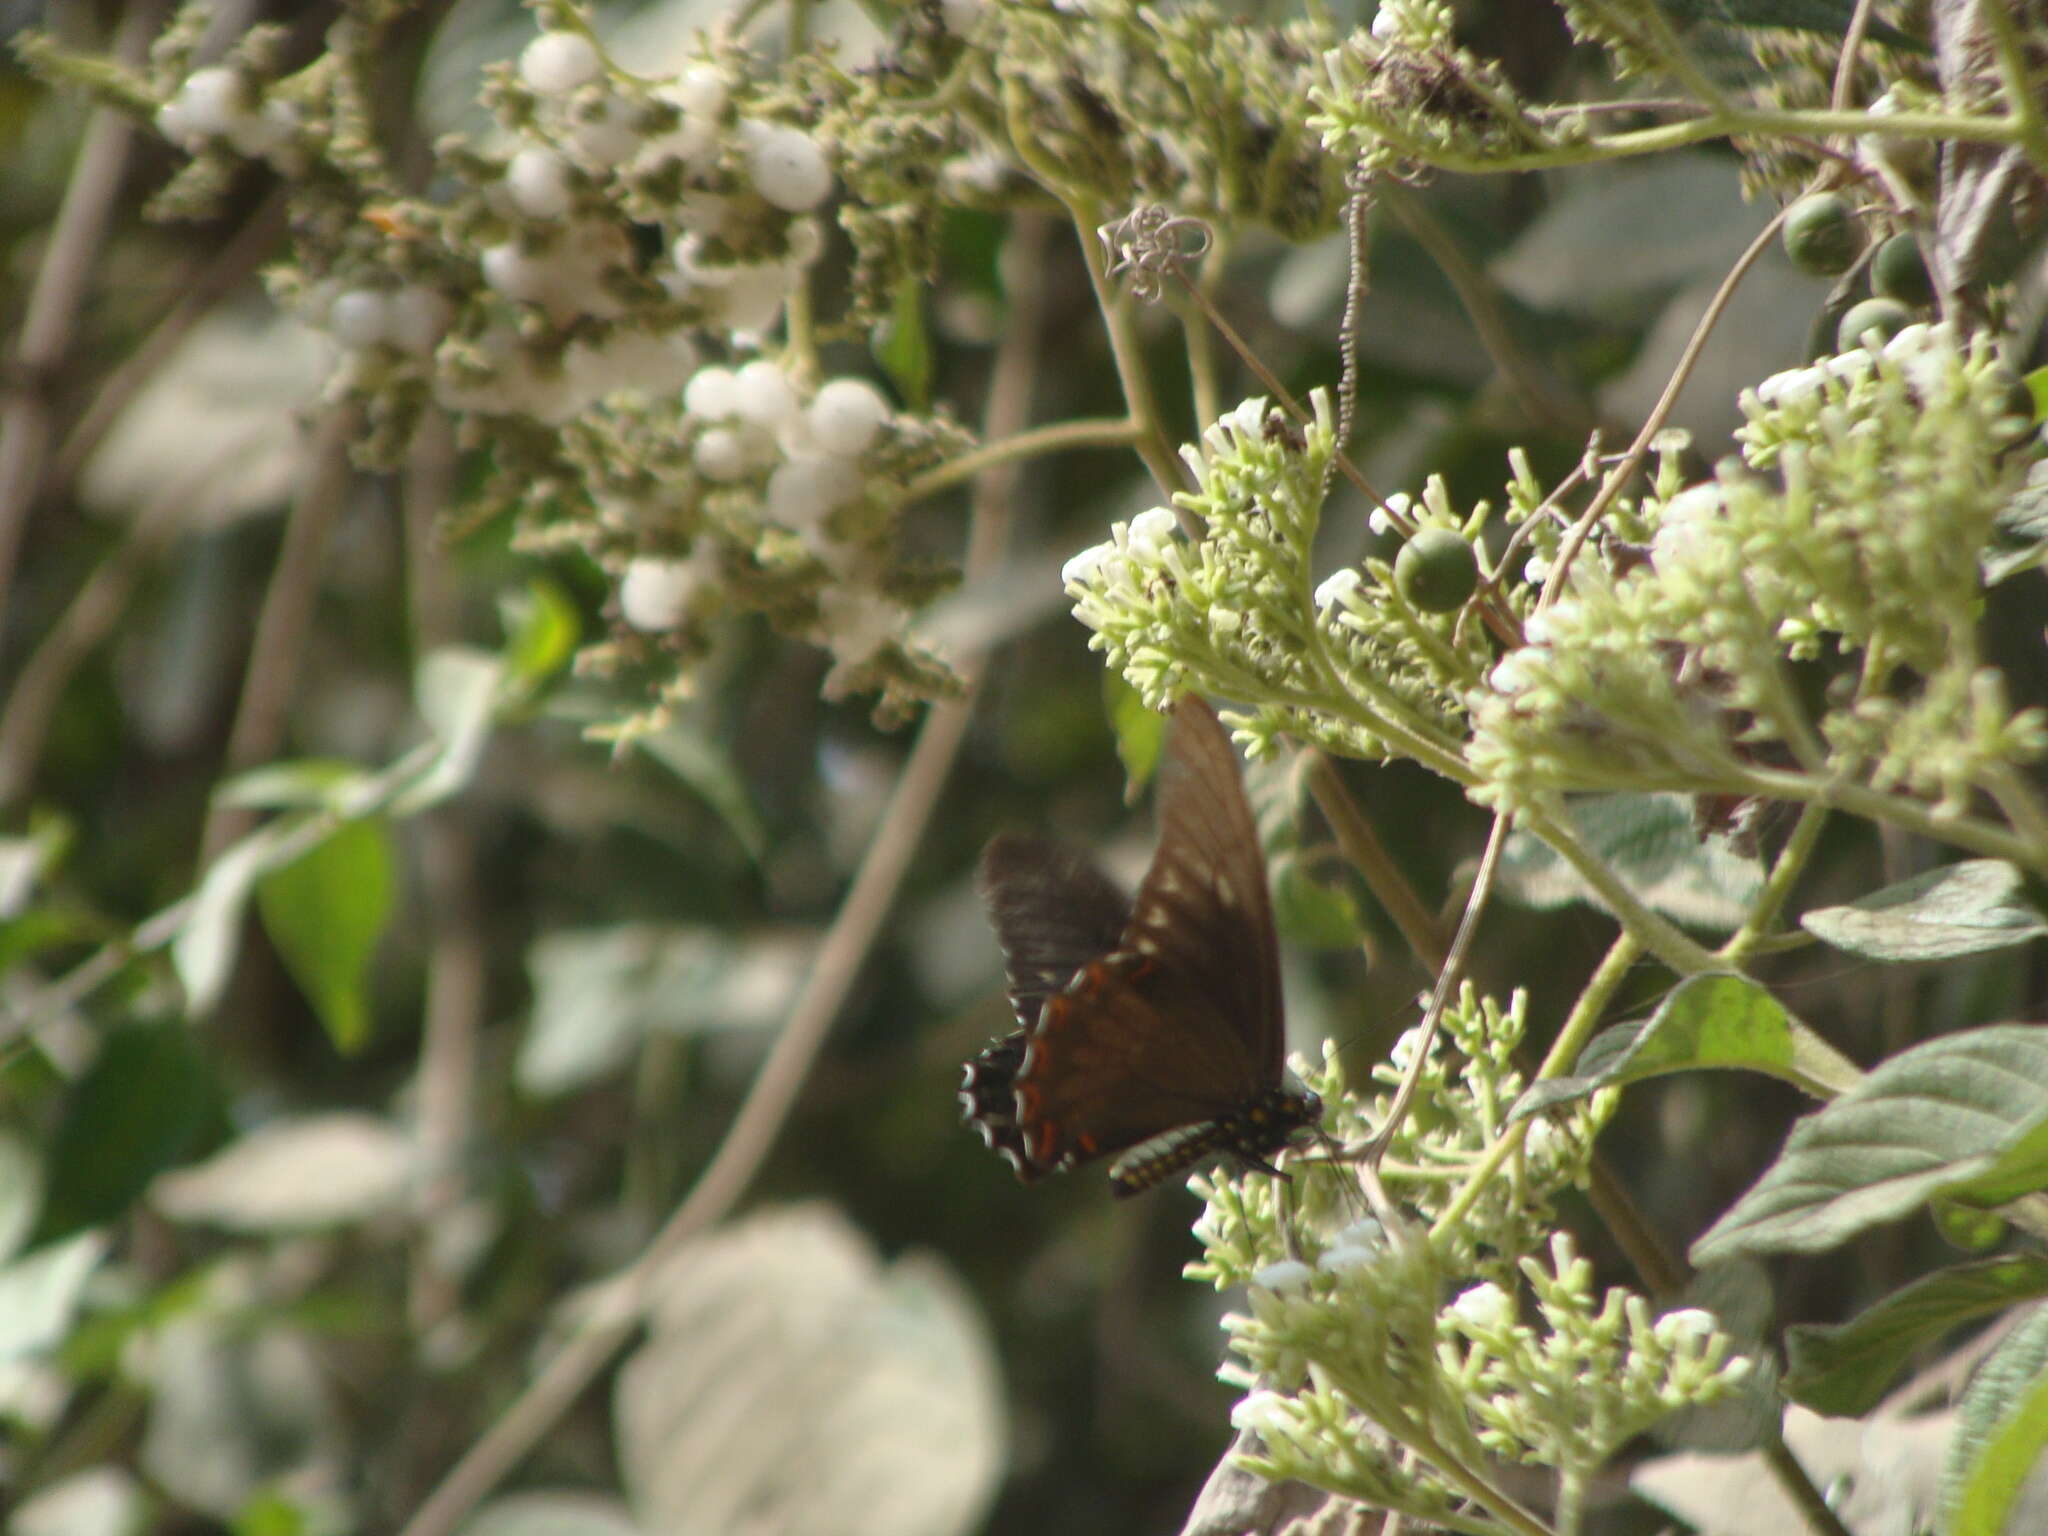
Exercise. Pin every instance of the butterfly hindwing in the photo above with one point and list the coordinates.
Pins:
(1152, 1024)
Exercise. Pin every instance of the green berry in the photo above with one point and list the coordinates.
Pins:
(1436, 570)
(1821, 234)
(1887, 317)
(1899, 271)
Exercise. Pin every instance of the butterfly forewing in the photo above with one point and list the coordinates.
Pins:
(1203, 911)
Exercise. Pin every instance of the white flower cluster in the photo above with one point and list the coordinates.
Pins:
(1568, 1394)
(220, 104)
(1871, 488)
(1215, 611)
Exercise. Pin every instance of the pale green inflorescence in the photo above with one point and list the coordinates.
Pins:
(1237, 611)
(1856, 522)
(1360, 1332)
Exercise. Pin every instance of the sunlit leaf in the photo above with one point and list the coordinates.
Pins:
(204, 950)
(542, 629)
(40, 1293)
(295, 1175)
(457, 692)
(2001, 1431)
(1844, 1368)
(306, 783)
(1965, 1116)
(1707, 1021)
(901, 345)
(784, 1342)
(1959, 909)
(325, 912)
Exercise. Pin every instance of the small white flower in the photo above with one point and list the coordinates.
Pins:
(1090, 565)
(604, 135)
(1287, 1277)
(762, 394)
(537, 181)
(516, 274)
(1516, 670)
(1263, 1413)
(555, 63)
(857, 623)
(1484, 1308)
(1338, 586)
(418, 320)
(846, 415)
(1537, 570)
(721, 454)
(361, 317)
(1687, 1328)
(787, 167)
(655, 593)
(209, 105)
(701, 91)
(710, 394)
(1150, 531)
(1386, 26)
(803, 491)
(751, 301)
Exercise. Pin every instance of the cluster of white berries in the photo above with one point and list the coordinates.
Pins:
(220, 104)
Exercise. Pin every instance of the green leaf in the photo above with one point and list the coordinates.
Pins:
(203, 950)
(309, 783)
(1140, 732)
(1964, 1116)
(1309, 913)
(1843, 1369)
(40, 1294)
(903, 349)
(2020, 532)
(706, 766)
(325, 913)
(1959, 909)
(1650, 841)
(1706, 1022)
(541, 631)
(2001, 1430)
(145, 1104)
(1830, 18)
(457, 689)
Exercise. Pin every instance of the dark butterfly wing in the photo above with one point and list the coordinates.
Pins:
(1171, 1021)
(1204, 915)
(1053, 911)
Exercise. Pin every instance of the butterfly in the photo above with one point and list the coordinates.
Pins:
(1151, 1027)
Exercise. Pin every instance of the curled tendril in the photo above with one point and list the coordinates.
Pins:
(1149, 242)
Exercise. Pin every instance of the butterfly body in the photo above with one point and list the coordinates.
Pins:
(1151, 1027)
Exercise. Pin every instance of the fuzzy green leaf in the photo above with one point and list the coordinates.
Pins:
(1708, 1021)
(2001, 1430)
(1959, 909)
(1650, 841)
(1964, 1116)
(325, 913)
(1843, 1369)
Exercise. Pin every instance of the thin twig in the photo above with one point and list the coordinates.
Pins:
(1624, 471)
(457, 955)
(839, 960)
(286, 619)
(69, 262)
(1446, 982)
(219, 273)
